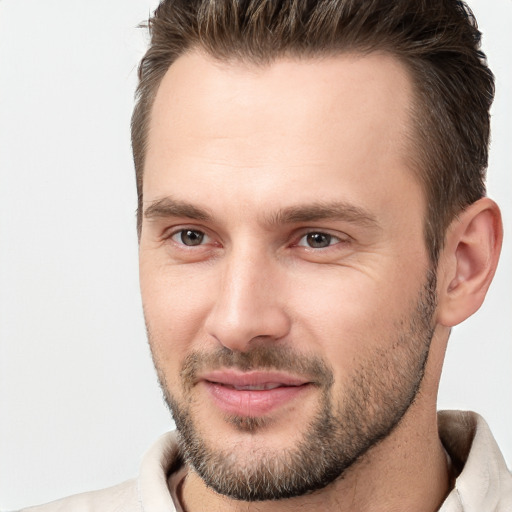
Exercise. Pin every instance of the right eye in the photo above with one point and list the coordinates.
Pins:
(190, 237)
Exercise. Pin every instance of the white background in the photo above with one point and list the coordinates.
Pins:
(79, 402)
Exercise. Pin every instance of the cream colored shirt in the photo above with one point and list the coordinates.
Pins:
(484, 483)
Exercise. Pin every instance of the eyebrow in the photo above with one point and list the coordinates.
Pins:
(312, 212)
(169, 207)
(338, 210)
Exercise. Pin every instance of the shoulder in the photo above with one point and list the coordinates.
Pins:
(122, 497)
(148, 492)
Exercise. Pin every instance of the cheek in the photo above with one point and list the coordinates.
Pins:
(175, 304)
(348, 315)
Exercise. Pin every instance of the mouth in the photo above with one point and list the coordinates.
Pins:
(252, 394)
(261, 387)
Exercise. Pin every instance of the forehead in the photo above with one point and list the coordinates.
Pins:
(345, 87)
(292, 123)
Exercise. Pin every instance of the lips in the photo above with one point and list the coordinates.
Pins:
(252, 393)
(261, 387)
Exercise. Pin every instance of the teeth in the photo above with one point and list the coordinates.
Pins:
(261, 387)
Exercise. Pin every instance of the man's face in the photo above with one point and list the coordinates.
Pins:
(284, 276)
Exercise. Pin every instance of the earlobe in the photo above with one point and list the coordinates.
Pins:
(468, 261)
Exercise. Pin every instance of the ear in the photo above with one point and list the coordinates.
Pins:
(468, 261)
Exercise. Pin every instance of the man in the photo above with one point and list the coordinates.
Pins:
(312, 222)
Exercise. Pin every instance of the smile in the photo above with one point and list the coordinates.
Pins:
(252, 394)
(260, 387)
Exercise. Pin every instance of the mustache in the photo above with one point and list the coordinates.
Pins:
(261, 357)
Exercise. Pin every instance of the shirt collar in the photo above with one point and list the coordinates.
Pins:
(483, 480)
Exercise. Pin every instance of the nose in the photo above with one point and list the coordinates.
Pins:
(248, 302)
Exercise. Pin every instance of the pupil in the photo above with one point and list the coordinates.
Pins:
(190, 237)
(319, 240)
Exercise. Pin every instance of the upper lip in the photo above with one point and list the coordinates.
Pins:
(253, 378)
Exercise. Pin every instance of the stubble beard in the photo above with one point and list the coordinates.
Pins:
(344, 428)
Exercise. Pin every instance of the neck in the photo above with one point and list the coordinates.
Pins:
(410, 458)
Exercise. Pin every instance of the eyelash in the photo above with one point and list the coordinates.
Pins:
(326, 235)
(180, 232)
(204, 235)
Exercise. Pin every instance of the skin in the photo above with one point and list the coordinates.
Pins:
(225, 139)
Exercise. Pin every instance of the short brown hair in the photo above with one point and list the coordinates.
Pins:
(437, 40)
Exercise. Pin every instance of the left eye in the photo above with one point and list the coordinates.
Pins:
(318, 240)
(189, 237)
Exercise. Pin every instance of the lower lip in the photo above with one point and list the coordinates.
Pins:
(252, 403)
